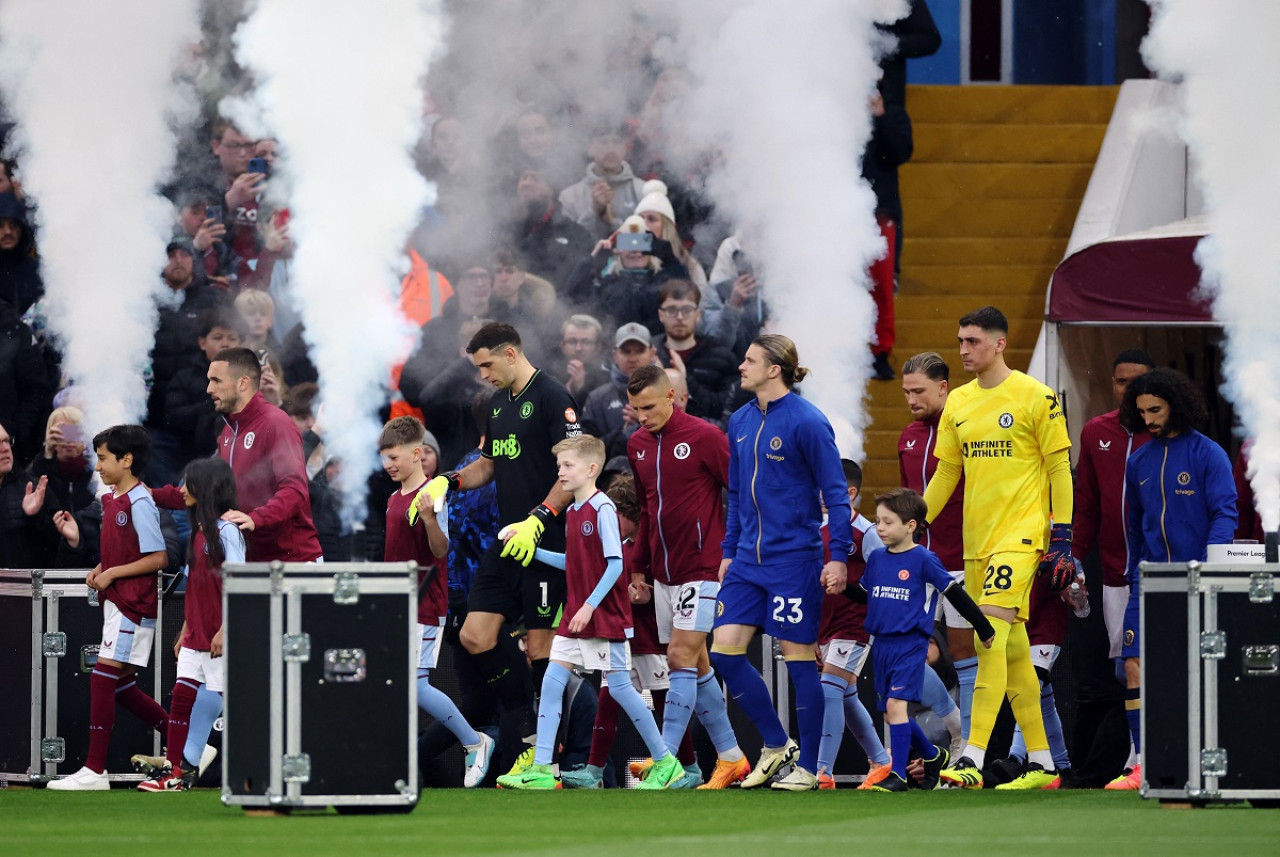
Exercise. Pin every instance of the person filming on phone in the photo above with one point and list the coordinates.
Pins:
(620, 279)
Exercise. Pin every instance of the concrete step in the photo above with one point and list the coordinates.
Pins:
(989, 218)
(1012, 104)
(1021, 144)
(964, 181)
(950, 251)
(965, 281)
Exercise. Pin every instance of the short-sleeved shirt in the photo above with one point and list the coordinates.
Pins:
(843, 619)
(519, 429)
(404, 543)
(130, 531)
(592, 539)
(898, 600)
(202, 605)
(1003, 437)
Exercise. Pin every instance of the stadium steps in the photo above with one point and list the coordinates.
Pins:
(990, 198)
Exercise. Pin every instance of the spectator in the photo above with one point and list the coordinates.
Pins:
(300, 404)
(601, 199)
(551, 243)
(60, 480)
(660, 219)
(536, 149)
(733, 306)
(241, 192)
(200, 223)
(581, 338)
(18, 526)
(8, 179)
(25, 387)
(175, 348)
(20, 283)
(188, 411)
(337, 538)
(446, 400)
(257, 311)
(472, 299)
(449, 165)
(623, 284)
(526, 300)
(890, 147)
(710, 369)
(607, 413)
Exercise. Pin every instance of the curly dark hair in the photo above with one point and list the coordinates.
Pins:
(1186, 405)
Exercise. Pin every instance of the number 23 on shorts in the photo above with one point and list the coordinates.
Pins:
(787, 610)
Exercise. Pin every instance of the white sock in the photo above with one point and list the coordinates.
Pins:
(953, 724)
(1043, 758)
(977, 755)
(733, 754)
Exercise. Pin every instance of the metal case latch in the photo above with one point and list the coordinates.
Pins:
(88, 658)
(345, 666)
(346, 587)
(53, 644)
(1261, 660)
(1213, 762)
(1213, 645)
(1262, 588)
(296, 647)
(296, 769)
(53, 750)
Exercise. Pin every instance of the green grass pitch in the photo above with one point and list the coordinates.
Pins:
(596, 824)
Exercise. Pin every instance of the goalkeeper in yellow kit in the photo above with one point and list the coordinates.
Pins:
(1006, 434)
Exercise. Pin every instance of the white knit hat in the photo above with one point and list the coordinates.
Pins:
(655, 199)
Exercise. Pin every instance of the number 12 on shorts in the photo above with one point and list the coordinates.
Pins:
(787, 610)
(997, 577)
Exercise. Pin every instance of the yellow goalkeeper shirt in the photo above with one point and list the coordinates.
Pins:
(1002, 438)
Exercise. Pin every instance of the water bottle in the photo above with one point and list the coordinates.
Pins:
(1079, 598)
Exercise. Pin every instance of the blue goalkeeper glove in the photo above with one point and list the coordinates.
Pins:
(1057, 561)
(522, 538)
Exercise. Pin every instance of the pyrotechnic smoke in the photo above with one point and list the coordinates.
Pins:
(785, 89)
(90, 86)
(340, 87)
(1225, 55)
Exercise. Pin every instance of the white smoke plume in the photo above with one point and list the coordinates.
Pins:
(785, 90)
(1225, 55)
(90, 86)
(340, 87)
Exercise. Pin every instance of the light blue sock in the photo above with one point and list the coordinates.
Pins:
(714, 715)
(809, 710)
(550, 707)
(858, 720)
(1053, 728)
(752, 695)
(967, 674)
(436, 702)
(1018, 749)
(206, 710)
(833, 691)
(681, 697)
(934, 695)
(626, 695)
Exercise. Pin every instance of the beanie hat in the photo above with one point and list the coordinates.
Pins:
(655, 199)
(428, 439)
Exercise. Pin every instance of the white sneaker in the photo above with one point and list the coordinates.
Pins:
(83, 780)
(477, 762)
(799, 780)
(207, 755)
(771, 761)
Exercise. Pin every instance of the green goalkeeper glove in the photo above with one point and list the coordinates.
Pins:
(432, 494)
(522, 538)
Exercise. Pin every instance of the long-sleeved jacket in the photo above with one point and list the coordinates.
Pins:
(783, 465)
(1182, 498)
(1099, 515)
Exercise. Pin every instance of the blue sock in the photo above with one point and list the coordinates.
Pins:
(203, 714)
(1133, 713)
(900, 740)
(550, 707)
(1018, 748)
(967, 674)
(858, 719)
(435, 702)
(625, 694)
(833, 691)
(681, 697)
(934, 695)
(713, 715)
(809, 710)
(920, 742)
(748, 690)
(1053, 728)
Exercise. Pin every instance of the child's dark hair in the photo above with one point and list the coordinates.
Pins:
(906, 504)
(622, 491)
(852, 473)
(126, 440)
(213, 485)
